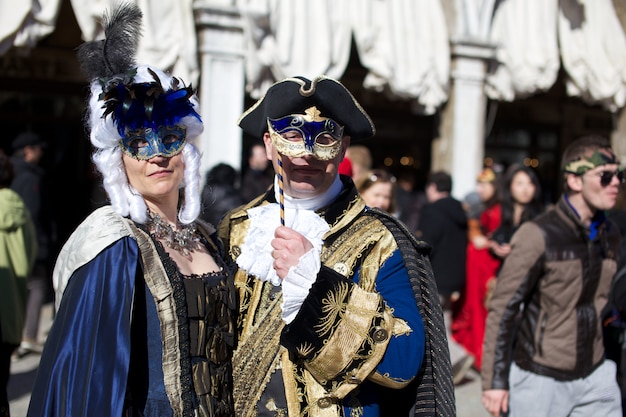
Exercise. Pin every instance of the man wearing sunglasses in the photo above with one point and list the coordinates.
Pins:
(543, 348)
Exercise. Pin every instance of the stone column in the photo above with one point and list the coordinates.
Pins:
(221, 49)
(460, 147)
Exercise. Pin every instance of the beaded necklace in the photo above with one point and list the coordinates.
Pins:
(183, 240)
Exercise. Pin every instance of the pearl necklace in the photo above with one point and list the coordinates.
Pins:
(183, 240)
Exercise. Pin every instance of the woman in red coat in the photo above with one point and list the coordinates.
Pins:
(519, 200)
(482, 266)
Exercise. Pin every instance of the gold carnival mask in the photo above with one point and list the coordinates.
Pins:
(297, 135)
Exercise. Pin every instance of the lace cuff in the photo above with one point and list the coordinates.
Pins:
(297, 283)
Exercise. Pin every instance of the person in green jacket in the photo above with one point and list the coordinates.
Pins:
(18, 248)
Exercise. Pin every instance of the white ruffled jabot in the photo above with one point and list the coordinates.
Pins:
(256, 251)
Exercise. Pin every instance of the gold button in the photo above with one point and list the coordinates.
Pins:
(236, 251)
(379, 335)
(324, 402)
(353, 380)
(341, 268)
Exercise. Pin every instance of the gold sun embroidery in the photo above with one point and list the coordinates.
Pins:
(332, 306)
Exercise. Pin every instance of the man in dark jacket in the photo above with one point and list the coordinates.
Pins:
(443, 225)
(543, 352)
(28, 149)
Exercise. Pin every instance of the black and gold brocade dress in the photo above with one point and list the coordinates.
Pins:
(211, 337)
(205, 313)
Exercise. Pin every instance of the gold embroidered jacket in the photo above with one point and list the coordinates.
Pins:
(369, 339)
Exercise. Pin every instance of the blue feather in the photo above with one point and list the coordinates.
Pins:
(143, 105)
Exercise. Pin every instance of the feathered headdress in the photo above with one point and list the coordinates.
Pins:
(111, 63)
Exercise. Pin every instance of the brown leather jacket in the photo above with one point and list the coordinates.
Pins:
(559, 279)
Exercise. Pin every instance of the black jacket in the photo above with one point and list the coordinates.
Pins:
(30, 185)
(443, 225)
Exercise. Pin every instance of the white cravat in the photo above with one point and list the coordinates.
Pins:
(256, 251)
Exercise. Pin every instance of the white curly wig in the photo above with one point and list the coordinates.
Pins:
(105, 137)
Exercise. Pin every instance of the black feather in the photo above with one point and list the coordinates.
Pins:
(113, 56)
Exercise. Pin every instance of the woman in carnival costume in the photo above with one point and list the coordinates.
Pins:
(146, 304)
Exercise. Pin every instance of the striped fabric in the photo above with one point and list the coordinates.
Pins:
(435, 391)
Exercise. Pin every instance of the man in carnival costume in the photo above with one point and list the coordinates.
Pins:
(146, 307)
(339, 312)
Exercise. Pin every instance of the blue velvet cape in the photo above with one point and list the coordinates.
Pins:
(84, 366)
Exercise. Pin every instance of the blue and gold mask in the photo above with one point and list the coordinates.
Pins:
(148, 142)
(297, 135)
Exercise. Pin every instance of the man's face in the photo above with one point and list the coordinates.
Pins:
(431, 193)
(258, 159)
(306, 176)
(33, 153)
(596, 195)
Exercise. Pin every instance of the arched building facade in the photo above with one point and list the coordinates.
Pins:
(450, 84)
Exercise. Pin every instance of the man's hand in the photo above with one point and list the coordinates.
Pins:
(496, 401)
(501, 251)
(289, 246)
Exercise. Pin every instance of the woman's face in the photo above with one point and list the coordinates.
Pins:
(522, 188)
(378, 195)
(157, 179)
(485, 190)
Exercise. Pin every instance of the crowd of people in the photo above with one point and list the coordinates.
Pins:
(317, 284)
(524, 283)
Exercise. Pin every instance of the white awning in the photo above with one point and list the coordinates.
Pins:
(168, 39)
(294, 37)
(535, 36)
(169, 32)
(23, 23)
(593, 51)
(525, 32)
(402, 43)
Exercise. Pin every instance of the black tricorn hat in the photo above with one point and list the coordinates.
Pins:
(295, 95)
